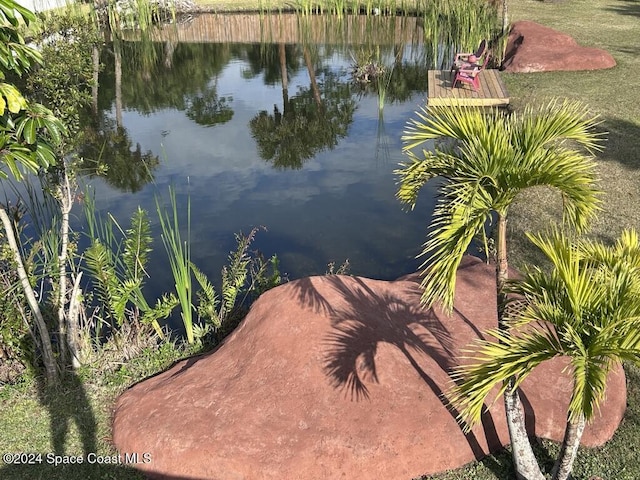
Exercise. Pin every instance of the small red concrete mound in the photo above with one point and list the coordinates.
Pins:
(337, 377)
(535, 48)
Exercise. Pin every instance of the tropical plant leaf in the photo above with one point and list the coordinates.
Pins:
(587, 308)
(161, 310)
(484, 159)
(137, 245)
(100, 266)
(207, 298)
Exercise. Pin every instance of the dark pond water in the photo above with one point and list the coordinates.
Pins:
(309, 155)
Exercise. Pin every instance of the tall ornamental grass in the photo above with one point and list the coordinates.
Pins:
(179, 253)
(456, 25)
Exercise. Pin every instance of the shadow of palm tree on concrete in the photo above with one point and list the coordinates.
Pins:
(370, 319)
(363, 319)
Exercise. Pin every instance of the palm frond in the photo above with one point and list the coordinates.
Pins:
(573, 175)
(493, 363)
(137, 244)
(486, 160)
(627, 247)
(589, 384)
(460, 123)
(413, 175)
(207, 297)
(557, 122)
(590, 300)
(455, 223)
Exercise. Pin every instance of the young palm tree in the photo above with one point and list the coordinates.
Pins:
(587, 309)
(485, 160)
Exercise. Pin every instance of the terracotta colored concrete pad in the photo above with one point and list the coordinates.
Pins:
(337, 377)
(535, 48)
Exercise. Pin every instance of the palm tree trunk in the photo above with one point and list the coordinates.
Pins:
(118, 74)
(502, 266)
(47, 350)
(524, 460)
(169, 48)
(569, 449)
(96, 75)
(285, 79)
(312, 78)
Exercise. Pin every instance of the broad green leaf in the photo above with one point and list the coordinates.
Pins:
(14, 98)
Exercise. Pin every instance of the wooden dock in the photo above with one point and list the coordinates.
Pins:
(491, 93)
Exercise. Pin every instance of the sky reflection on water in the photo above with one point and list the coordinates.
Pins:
(340, 204)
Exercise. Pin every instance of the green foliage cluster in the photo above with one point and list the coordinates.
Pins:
(16, 347)
(116, 257)
(486, 160)
(66, 43)
(138, 14)
(586, 309)
(29, 135)
(119, 283)
(244, 278)
(116, 260)
(463, 25)
(343, 7)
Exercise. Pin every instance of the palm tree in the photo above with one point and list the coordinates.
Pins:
(587, 308)
(486, 160)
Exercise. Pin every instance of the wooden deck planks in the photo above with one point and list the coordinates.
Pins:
(492, 91)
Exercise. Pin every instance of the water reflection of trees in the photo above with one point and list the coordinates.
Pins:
(267, 59)
(159, 75)
(108, 152)
(184, 76)
(208, 109)
(310, 121)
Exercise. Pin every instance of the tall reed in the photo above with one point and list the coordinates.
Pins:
(459, 26)
(179, 253)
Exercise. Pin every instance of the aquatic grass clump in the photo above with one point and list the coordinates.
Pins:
(179, 253)
(456, 25)
(368, 7)
(116, 261)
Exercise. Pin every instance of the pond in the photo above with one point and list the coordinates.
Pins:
(264, 133)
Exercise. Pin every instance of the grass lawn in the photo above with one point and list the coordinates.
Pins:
(613, 25)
